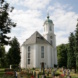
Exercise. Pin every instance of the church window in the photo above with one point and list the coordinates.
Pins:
(51, 42)
(28, 51)
(50, 37)
(29, 48)
(28, 61)
(28, 54)
(42, 51)
(50, 28)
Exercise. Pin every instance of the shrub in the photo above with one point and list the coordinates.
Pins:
(57, 74)
(7, 69)
(9, 73)
(40, 73)
(33, 68)
(55, 65)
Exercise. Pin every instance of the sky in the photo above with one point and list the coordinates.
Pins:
(31, 14)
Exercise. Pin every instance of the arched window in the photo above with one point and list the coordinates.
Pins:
(28, 54)
(50, 28)
(28, 48)
(51, 42)
(50, 37)
(42, 51)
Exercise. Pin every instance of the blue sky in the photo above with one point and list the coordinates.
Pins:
(31, 14)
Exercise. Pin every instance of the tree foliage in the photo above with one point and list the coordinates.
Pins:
(14, 52)
(5, 22)
(2, 57)
(62, 55)
(76, 46)
(71, 60)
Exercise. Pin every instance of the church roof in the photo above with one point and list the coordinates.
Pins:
(36, 38)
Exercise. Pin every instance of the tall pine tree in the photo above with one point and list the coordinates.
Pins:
(14, 52)
(62, 55)
(76, 46)
(71, 60)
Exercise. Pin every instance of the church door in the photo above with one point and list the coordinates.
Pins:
(42, 65)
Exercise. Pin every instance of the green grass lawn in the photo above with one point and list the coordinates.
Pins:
(1, 72)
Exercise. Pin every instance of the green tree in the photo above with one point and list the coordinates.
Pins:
(71, 60)
(76, 46)
(14, 52)
(2, 56)
(5, 22)
(62, 55)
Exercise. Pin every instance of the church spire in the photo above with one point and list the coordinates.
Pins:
(48, 15)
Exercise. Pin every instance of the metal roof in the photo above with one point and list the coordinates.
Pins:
(48, 20)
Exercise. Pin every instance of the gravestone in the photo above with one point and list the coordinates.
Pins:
(10, 66)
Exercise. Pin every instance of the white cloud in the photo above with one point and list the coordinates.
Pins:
(31, 4)
(64, 20)
(12, 1)
(27, 22)
(35, 4)
(31, 20)
(60, 37)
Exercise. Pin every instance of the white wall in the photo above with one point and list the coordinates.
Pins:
(35, 54)
(40, 60)
(31, 56)
(23, 57)
(47, 56)
(47, 26)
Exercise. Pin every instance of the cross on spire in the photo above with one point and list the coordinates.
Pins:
(48, 15)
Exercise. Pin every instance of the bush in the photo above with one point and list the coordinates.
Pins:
(55, 65)
(57, 74)
(14, 66)
(33, 68)
(7, 70)
(9, 73)
(26, 74)
(40, 73)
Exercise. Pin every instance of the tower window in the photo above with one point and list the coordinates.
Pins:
(51, 42)
(50, 37)
(50, 28)
(42, 51)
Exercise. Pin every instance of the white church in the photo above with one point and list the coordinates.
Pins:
(40, 51)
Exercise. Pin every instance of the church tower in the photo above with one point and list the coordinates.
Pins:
(50, 37)
(49, 31)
